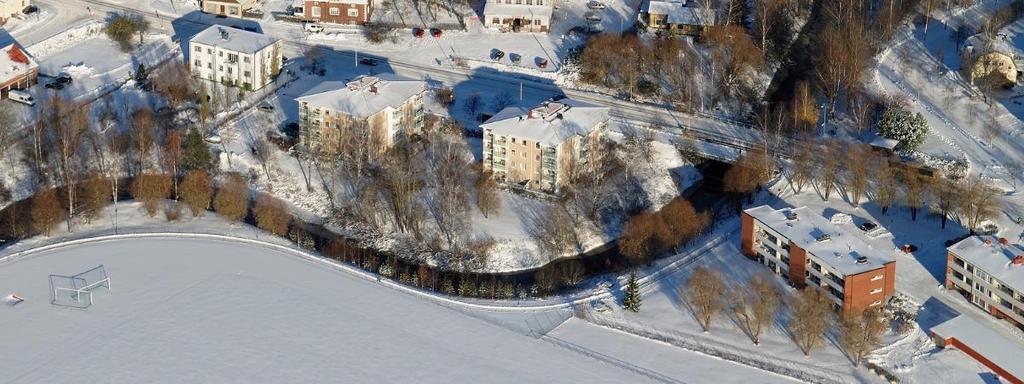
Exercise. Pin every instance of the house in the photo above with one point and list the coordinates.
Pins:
(679, 16)
(385, 104)
(233, 8)
(519, 15)
(808, 250)
(539, 147)
(989, 62)
(997, 352)
(11, 8)
(236, 57)
(18, 70)
(334, 11)
(989, 272)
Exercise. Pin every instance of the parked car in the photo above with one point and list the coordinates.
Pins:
(418, 32)
(30, 9)
(55, 85)
(265, 107)
(594, 4)
(435, 32)
(220, 16)
(21, 97)
(63, 78)
(314, 28)
(515, 58)
(497, 54)
(542, 62)
(368, 62)
(868, 226)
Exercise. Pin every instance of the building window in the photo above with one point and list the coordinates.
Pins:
(876, 291)
(209, 65)
(513, 142)
(245, 59)
(199, 49)
(353, 12)
(876, 278)
(198, 64)
(335, 11)
(315, 11)
(876, 303)
(247, 74)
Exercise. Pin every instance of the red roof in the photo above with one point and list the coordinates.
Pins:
(16, 55)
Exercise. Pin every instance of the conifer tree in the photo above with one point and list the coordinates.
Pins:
(631, 300)
(197, 154)
(141, 75)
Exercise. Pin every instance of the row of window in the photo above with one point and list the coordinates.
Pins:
(333, 11)
(220, 68)
(520, 2)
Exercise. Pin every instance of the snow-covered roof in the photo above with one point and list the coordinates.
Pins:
(992, 346)
(14, 60)
(995, 258)
(233, 39)
(678, 12)
(364, 96)
(983, 44)
(492, 8)
(835, 245)
(883, 142)
(549, 123)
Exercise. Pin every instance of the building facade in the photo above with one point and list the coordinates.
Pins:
(989, 272)
(232, 8)
(519, 15)
(808, 250)
(236, 57)
(11, 8)
(537, 148)
(336, 11)
(379, 107)
(18, 70)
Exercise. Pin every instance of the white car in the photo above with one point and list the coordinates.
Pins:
(314, 28)
(594, 4)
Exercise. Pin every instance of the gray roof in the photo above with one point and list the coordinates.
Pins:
(365, 95)
(550, 123)
(994, 258)
(678, 12)
(840, 252)
(233, 39)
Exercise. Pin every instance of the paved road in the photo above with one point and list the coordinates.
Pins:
(729, 133)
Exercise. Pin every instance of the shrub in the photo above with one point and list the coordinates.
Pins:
(232, 199)
(150, 189)
(899, 124)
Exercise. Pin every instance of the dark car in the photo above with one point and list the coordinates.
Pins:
(368, 61)
(30, 9)
(435, 32)
(221, 16)
(63, 78)
(497, 54)
(55, 85)
(868, 226)
(418, 32)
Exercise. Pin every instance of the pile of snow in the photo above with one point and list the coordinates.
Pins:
(78, 70)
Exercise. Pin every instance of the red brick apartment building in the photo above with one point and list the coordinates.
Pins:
(806, 249)
(337, 11)
(989, 272)
(1002, 354)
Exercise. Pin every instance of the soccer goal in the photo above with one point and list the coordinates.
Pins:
(76, 290)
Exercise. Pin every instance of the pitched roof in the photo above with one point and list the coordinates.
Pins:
(842, 251)
(549, 123)
(678, 12)
(14, 60)
(995, 258)
(233, 39)
(364, 96)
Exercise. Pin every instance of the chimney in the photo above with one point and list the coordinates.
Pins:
(1019, 260)
(1004, 241)
(988, 242)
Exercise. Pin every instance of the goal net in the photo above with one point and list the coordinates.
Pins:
(76, 290)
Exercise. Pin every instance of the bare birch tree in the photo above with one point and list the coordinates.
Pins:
(704, 292)
(861, 333)
(811, 316)
(754, 305)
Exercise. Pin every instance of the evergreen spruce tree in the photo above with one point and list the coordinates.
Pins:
(141, 75)
(631, 301)
(197, 154)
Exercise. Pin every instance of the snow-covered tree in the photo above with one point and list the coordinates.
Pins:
(909, 129)
(631, 299)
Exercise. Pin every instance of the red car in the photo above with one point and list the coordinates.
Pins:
(435, 32)
(418, 32)
(542, 62)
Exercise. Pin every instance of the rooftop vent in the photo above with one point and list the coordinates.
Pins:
(988, 241)
(792, 216)
(1004, 241)
(823, 238)
(224, 35)
(862, 260)
(1019, 260)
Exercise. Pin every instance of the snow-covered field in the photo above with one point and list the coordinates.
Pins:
(209, 310)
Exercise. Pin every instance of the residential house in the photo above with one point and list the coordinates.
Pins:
(519, 15)
(989, 272)
(233, 8)
(539, 147)
(18, 70)
(806, 249)
(335, 11)
(234, 56)
(679, 16)
(385, 105)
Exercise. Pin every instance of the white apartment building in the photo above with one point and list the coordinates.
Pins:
(519, 15)
(537, 147)
(989, 272)
(385, 104)
(234, 56)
